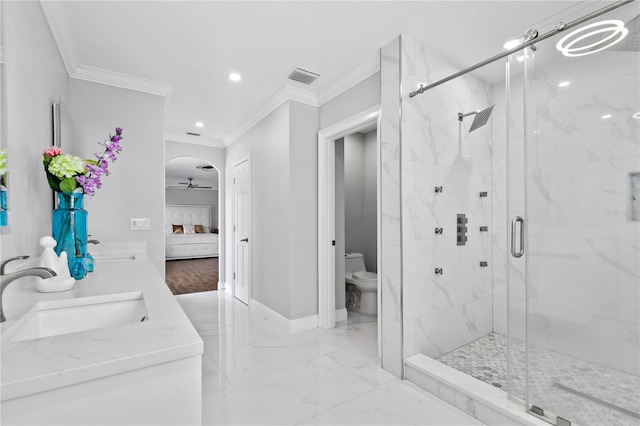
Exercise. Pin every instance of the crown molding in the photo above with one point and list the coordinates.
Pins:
(285, 93)
(292, 93)
(125, 81)
(352, 77)
(59, 30)
(194, 140)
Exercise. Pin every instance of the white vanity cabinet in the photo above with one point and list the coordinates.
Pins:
(141, 373)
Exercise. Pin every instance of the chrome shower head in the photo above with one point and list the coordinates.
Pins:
(480, 119)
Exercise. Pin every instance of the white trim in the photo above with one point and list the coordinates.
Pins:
(125, 81)
(222, 286)
(326, 209)
(289, 92)
(58, 27)
(341, 314)
(352, 77)
(282, 95)
(193, 140)
(293, 326)
(239, 160)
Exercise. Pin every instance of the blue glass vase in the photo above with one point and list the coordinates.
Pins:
(69, 229)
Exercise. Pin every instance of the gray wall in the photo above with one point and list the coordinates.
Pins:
(35, 78)
(303, 128)
(340, 228)
(268, 144)
(135, 185)
(360, 193)
(284, 208)
(360, 97)
(354, 192)
(370, 227)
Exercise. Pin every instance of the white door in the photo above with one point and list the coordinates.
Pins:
(241, 230)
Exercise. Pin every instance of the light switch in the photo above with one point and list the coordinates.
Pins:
(140, 224)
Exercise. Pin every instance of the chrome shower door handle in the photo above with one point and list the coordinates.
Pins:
(514, 225)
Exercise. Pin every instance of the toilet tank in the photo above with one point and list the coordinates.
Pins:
(353, 262)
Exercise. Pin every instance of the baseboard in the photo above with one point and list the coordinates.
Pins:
(222, 286)
(295, 325)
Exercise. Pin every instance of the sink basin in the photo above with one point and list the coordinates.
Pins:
(67, 316)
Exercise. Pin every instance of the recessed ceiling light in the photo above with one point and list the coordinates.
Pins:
(513, 43)
(636, 115)
(614, 27)
(606, 116)
(564, 84)
(234, 76)
(199, 124)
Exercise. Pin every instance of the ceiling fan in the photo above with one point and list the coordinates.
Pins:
(191, 185)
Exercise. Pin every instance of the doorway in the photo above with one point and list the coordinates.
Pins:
(192, 240)
(328, 310)
(242, 230)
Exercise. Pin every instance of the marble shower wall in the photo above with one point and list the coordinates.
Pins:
(443, 312)
(583, 253)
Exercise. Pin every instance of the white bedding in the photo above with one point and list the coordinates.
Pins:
(188, 246)
(190, 238)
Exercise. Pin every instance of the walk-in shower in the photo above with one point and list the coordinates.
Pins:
(546, 312)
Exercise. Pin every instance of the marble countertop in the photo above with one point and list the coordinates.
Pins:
(43, 364)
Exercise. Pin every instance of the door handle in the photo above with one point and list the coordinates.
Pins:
(514, 225)
(245, 240)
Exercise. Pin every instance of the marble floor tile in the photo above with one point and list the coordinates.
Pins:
(287, 396)
(212, 377)
(255, 372)
(399, 402)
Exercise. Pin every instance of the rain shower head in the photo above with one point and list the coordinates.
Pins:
(480, 119)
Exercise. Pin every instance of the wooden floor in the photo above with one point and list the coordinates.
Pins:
(192, 275)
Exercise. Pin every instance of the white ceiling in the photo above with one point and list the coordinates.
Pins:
(193, 45)
(179, 170)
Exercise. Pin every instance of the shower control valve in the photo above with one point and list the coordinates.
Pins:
(461, 231)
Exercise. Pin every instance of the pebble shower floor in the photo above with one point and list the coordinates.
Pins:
(582, 392)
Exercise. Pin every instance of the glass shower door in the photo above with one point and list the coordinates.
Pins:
(581, 233)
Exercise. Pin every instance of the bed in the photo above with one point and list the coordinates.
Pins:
(185, 236)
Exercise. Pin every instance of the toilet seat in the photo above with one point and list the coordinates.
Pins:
(365, 276)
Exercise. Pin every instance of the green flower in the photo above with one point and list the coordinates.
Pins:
(66, 166)
(3, 162)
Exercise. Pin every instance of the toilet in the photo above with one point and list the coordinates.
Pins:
(365, 282)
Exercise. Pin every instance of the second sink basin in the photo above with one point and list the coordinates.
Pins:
(67, 316)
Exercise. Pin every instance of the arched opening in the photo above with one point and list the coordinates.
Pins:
(192, 224)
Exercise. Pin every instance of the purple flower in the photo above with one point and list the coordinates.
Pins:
(91, 180)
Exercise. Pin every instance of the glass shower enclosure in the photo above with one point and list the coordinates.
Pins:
(543, 200)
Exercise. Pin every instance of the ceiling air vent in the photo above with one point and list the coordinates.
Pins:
(303, 76)
(193, 134)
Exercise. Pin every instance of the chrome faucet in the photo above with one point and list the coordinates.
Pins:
(6, 279)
